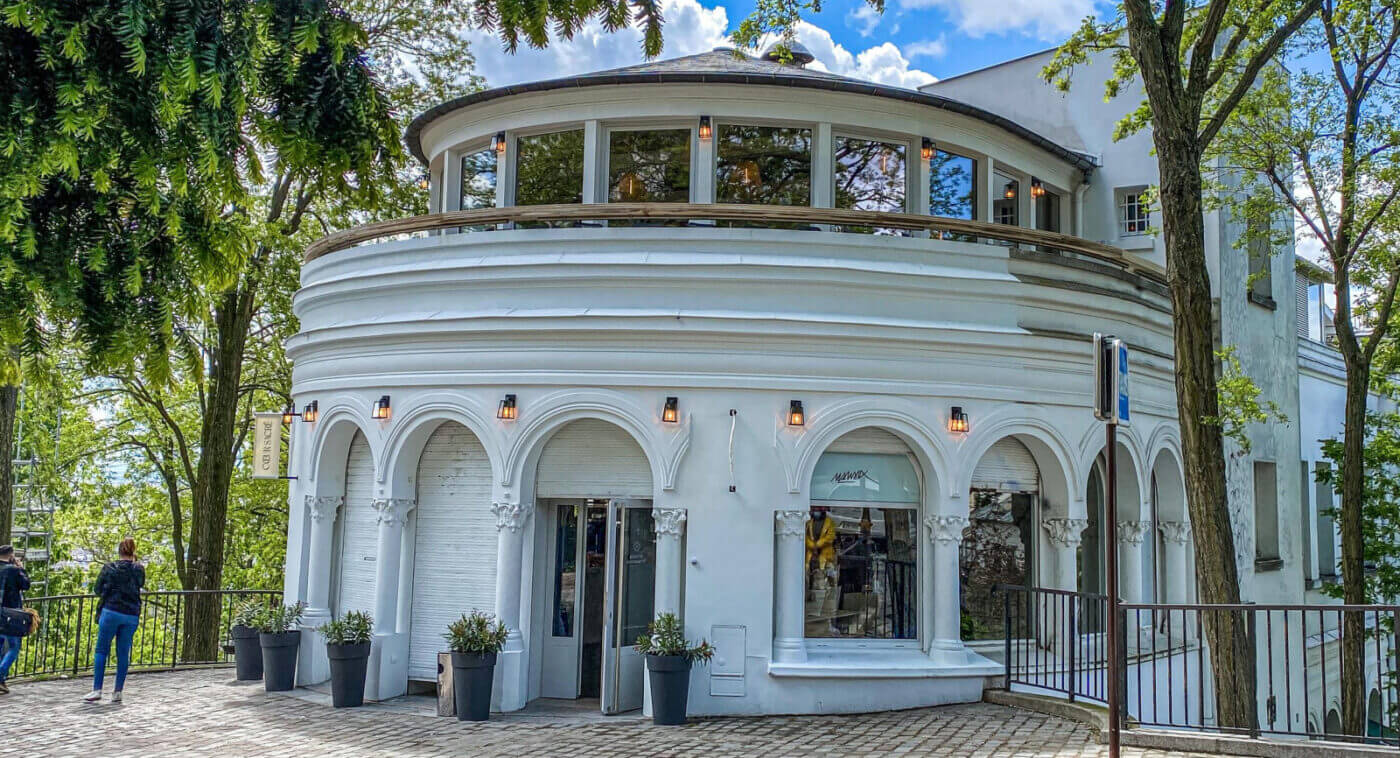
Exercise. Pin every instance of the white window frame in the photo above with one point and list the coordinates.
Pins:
(910, 150)
(660, 125)
(1126, 199)
(513, 152)
(812, 126)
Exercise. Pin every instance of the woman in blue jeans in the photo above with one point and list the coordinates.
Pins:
(119, 598)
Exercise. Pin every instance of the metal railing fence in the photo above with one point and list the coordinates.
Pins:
(63, 644)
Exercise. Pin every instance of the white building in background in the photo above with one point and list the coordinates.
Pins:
(820, 441)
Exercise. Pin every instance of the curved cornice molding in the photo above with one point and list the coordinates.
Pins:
(407, 435)
(344, 414)
(1013, 419)
(1165, 439)
(1091, 443)
(664, 448)
(800, 450)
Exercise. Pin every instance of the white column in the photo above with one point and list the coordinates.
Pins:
(510, 545)
(1179, 572)
(393, 515)
(1065, 536)
(318, 585)
(945, 535)
(1130, 534)
(788, 644)
(670, 563)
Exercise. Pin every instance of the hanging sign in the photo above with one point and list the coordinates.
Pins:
(267, 445)
(1111, 380)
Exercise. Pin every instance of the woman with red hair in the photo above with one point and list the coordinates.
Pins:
(119, 613)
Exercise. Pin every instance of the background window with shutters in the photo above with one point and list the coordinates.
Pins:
(1261, 275)
(1134, 213)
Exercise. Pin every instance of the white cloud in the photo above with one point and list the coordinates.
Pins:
(1050, 20)
(929, 48)
(691, 28)
(882, 63)
(866, 20)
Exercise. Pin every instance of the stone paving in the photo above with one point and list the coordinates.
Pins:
(205, 712)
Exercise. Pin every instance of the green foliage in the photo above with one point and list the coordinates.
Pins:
(1240, 404)
(354, 628)
(534, 22)
(666, 636)
(276, 619)
(1380, 504)
(246, 613)
(478, 632)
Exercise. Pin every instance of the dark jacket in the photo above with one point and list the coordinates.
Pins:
(13, 581)
(119, 587)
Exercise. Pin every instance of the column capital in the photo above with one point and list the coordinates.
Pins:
(1065, 532)
(1175, 531)
(1132, 532)
(512, 516)
(946, 530)
(668, 522)
(792, 523)
(323, 506)
(393, 511)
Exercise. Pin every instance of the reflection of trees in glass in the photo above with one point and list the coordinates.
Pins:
(649, 166)
(996, 549)
(549, 168)
(479, 179)
(870, 175)
(1047, 212)
(952, 182)
(764, 165)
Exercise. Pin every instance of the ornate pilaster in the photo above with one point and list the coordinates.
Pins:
(791, 582)
(512, 516)
(393, 511)
(323, 507)
(1175, 532)
(669, 522)
(1132, 532)
(792, 523)
(1065, 532)
(946, 530)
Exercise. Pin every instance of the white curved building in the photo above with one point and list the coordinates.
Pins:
(588, 389)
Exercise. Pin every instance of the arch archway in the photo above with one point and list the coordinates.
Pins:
(1173, 572)
(1134, 524)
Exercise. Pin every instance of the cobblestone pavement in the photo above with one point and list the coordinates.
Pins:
(206, 713)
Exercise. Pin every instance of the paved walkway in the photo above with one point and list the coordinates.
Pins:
(206, 713)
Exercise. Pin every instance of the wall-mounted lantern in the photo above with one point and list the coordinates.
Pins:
(310, 413)
(289, 413)
(381, 409)
(796, 417)
(957, 420)
(1037, 189)
(706, 131)
(670, 412)
(506, 410)
(498, 143)
(926, 149)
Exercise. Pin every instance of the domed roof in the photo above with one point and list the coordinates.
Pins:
(800, 55)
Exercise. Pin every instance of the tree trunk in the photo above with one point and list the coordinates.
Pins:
(1202, 442)
(232, 315)
(1353, 477)
(9, 407)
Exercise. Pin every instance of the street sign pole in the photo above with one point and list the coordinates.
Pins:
(1111, 407)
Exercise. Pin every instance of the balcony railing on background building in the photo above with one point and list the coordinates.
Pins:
(63, 644)
(1055, 644)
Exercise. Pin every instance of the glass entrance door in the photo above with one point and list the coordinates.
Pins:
(630, 597)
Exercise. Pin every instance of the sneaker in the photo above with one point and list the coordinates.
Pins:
(4, 689)
(92, 697)
(117, 696)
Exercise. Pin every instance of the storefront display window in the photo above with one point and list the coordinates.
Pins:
(763, 165)
(549, 168)
(997, 548)
(862, 541)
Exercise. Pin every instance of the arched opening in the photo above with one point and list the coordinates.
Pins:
(862, 539)
(356, 534)
(1333, 724)
(596, 550)
(454, 541)
(1376, 726)
(1171, 574)
(1000, 544)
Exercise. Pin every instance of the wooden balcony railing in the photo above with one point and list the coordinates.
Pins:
(784, 215)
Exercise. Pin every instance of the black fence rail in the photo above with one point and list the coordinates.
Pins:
(1055, 641)
(1299, 662)
(63, 644)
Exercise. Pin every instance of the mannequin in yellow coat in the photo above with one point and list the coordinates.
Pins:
(821, 567)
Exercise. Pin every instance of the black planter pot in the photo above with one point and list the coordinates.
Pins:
(348, 665)
(670, 688)
(471, 684)
(279, 656)
(247, 653)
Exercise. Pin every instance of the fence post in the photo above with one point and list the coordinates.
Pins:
(179, 615)
(1006, 625)
(1119, 669)
(1071, 639)
(78, 638)
(1251, 624)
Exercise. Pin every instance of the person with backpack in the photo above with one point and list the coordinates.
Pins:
(13, 582)
(119, 613)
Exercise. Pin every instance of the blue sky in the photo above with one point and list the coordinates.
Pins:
(914, 42)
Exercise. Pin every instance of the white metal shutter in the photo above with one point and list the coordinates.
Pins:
(359, 532)
(592, 458)
(869, 439)
(1007, 466)
(1300, 304)
(454, 553)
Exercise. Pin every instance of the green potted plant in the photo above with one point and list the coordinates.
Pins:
(243, 634)
(474, 640)
(669, 657)
(347, 647)
(279, 638)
